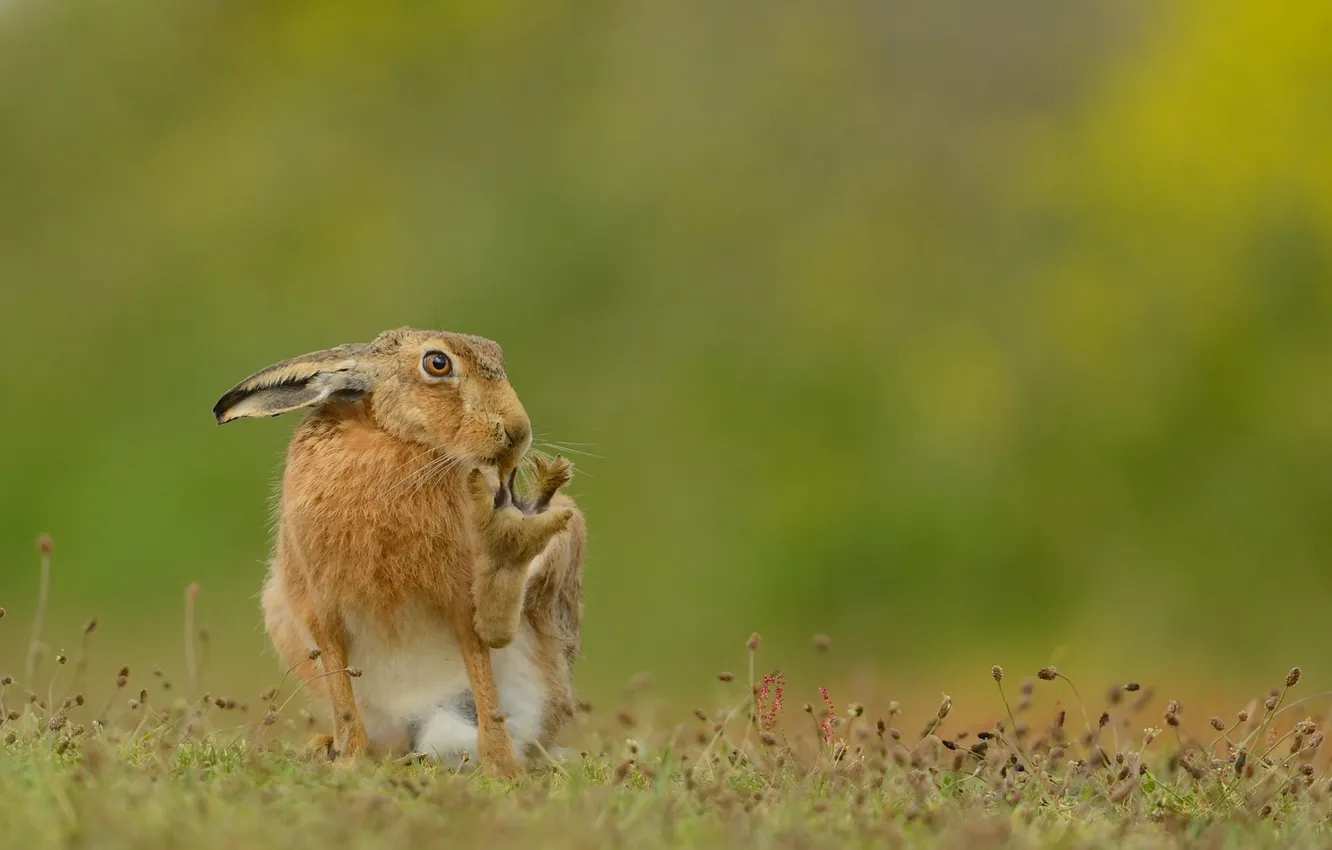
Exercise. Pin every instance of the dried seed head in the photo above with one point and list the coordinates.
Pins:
(1243, 716)
(997, 673)
(1132, 686)
(855, 709)
(895, 734)
(626, 719)
(61, 658)
(313, 654)
(354, 672)
(7, 680)
(1105, 719)
(90, 626)
(268, 694)
(10, 737)
(134, 705)
(45, 544)
(822, 643)
(13, 715)
(945, 706)
(57, 721)
(753, 642)
(1293, 677)
(807, 708)
(1271, 703)
(1172, 707)
(2, 613)
(498, 716)
(1218, 724)
(768, 739)
(880, 726)
(726, 676)
(894, 708)
(1047, 674)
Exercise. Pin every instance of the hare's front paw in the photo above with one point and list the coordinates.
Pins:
(515, 529)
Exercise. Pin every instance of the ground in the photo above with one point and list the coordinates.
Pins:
(208, 773)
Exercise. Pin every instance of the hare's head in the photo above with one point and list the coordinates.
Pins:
(443, 390)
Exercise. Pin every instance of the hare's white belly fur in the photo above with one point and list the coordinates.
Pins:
(413, 685)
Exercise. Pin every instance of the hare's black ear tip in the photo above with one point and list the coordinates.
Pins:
(220, 411)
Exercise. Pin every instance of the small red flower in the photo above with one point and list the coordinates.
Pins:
(770, 699)
(826, 724)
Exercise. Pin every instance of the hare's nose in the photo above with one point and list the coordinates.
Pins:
(517, 434)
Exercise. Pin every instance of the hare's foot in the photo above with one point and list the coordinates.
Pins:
(321, 745)
(513, 529)
(548, 476)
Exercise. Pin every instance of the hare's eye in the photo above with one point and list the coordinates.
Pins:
(437, 364)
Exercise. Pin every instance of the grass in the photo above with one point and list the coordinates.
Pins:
(152, 766)
(183, 774)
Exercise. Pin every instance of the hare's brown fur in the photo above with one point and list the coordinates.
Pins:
(382, 506)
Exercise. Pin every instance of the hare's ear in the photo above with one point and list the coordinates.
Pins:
(336, 374)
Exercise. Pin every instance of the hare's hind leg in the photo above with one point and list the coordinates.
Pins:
(554, 601)
(554, 607)
(293, 645)
(285, 628)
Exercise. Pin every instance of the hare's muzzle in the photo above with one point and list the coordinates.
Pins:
(512, 440)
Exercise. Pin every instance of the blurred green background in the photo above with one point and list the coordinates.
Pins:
(964, 332)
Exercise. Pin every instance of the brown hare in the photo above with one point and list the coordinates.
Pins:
(445, 608)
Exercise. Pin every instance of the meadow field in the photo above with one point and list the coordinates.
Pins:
(98, 756)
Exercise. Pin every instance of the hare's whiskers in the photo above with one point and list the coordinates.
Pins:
(437, 473)
(564, 448)
(542, 438)
(423, 470)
